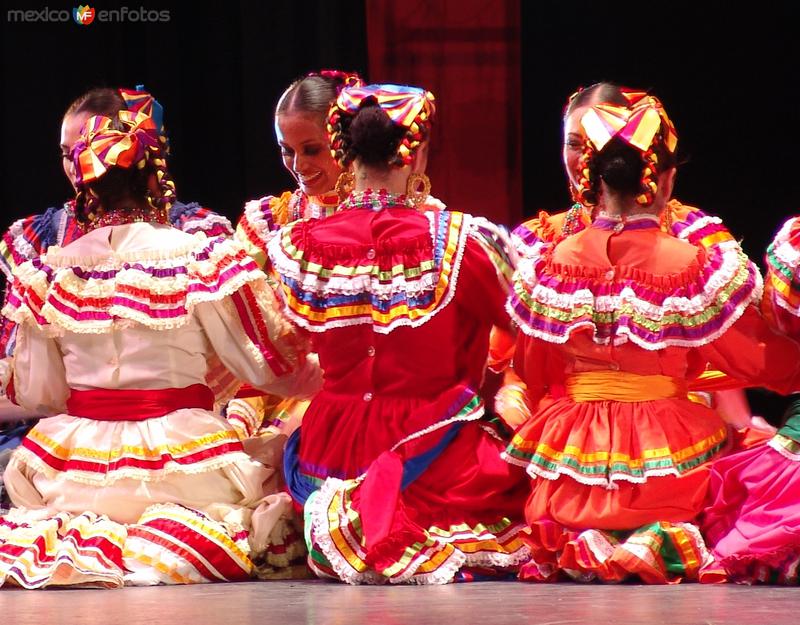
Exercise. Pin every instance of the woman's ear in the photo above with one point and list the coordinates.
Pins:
(667, 182)
(420, 162)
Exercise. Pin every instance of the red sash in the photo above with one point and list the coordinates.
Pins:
(137, 404)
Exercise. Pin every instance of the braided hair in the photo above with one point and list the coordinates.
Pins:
(382, 125)
(114, 159)
(615, 154)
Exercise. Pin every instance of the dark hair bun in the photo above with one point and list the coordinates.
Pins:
(620, 167)
(373, 138)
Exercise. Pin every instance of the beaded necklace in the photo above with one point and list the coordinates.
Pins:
(120, 217)
(375, 200)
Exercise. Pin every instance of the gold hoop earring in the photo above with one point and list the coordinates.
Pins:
(345, 184)
(418, 188)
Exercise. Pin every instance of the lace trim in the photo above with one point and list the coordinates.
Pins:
(318, 510)
(786, 447)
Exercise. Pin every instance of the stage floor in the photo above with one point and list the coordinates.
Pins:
(489, 603)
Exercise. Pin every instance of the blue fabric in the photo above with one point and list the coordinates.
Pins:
(300, 486)
(11, 437)
(417, 465)
(179, 210)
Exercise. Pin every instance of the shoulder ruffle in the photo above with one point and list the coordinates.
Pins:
(532, 237)
(496, 243)
(397, 285)
(157, 290)
(27, 238)
(551, 301)
(783, 268)
(432, 203)
(259, 222)
(192, 217)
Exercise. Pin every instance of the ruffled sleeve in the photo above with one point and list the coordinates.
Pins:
(488, 263)
(781, 302)
(534, 236)
(192, 217)
(27, 238)
(259, 222)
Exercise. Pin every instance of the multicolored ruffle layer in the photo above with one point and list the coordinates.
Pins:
(660, 553)
(782, 293)
(30, 237)
(169, 544)
(533, 236)
(99, 453)
(90, 295)
(551, 301)
(262, 218)
(192, 217)
(60, 550)
(568, 440)
(336, 544)
(27, 238)
(399, 287)
(173, 544)
(259, 222)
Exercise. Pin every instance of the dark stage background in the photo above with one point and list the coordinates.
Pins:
(728, 78)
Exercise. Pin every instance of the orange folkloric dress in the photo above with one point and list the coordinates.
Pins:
(534, 235)
(615, 320)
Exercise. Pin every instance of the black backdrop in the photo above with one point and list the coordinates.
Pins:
(217, 71)
(728, 78)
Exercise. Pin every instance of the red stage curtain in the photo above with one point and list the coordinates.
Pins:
(467, 53)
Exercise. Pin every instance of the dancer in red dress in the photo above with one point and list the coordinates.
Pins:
(404, 475)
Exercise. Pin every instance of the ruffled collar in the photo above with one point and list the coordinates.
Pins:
(403, 281)
(550, 301)
(94, 284)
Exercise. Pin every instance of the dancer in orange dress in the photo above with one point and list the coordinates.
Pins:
(616, 318)
(683, 221)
